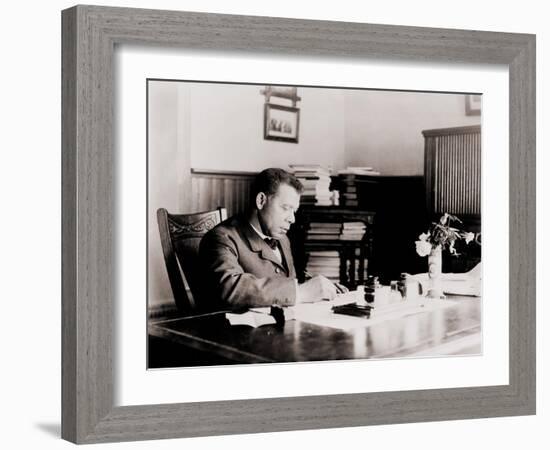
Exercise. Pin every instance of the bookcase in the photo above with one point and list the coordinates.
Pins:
(354, 256)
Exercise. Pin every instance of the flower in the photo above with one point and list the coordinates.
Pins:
(423, 248)
(468, 237)
(452, 249)
(442, 234)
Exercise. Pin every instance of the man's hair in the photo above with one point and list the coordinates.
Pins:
(269, 180)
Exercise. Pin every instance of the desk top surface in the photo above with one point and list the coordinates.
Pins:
(447, 329)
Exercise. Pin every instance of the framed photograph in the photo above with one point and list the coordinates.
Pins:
(326, 240)
(281, 123)
(104, 210)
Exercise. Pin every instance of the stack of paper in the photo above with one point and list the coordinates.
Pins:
(353, 231)
(316, 182)
(468, 283)
(324, 262)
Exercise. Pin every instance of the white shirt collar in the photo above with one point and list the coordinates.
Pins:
(263, 236)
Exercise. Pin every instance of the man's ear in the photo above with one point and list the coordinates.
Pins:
(261, 200)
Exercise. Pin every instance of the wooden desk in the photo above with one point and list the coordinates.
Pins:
(452, 330)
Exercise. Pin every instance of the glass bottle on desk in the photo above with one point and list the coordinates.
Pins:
(370, 288)
(395, 293)
(409, 287)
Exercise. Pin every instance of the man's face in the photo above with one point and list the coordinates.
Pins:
(276, 213)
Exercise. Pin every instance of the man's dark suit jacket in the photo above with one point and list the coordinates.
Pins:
(240, 269)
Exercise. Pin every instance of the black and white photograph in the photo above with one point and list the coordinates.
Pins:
(281, 123)
(360, 240)
(260, 225)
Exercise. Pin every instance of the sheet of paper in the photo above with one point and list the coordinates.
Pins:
(468, 283)
(320, 313)
(250, 318)
(454, 283)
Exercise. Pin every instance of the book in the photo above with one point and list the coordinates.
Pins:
(257, 317)
(333, 231)
(315, 181)
(317, 267)
(325, 253)
(298, 167)
(250, 318)
(318, 191)
(325, 272)
(314, 169)
(350, 171)
(323, 237)
(353, 225)
(336, 225)
(351, 237)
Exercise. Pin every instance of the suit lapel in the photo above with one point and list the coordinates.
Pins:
(269, 255)
(287, 255)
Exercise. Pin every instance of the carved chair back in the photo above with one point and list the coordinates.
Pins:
(180, 236)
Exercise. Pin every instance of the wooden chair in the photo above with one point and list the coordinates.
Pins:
(180, 236)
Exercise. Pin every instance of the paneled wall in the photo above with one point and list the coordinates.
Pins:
(453, 170)
(211, 189)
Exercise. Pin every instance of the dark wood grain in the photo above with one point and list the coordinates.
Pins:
(180, 235)
(296, 340)
(90, 207)
(452, 164)
(212, 189)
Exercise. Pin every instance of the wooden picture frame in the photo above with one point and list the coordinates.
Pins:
(90, 34)
(281, 123)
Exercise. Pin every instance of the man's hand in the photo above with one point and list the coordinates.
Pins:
(315, 289)
(340, 288)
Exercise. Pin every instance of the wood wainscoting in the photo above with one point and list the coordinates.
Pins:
(211, 189)
(452, 167)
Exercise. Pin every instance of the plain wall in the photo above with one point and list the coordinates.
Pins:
(163, 146)
(384, 128)
(168, 169)
(227, 123)
(338, 128)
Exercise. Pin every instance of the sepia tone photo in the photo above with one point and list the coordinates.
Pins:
(289, 224)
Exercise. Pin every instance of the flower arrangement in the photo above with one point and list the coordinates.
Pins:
(441, 234)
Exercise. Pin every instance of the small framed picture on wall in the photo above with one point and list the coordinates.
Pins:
(281, 123)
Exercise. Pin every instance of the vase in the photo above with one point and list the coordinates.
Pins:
(434, 273)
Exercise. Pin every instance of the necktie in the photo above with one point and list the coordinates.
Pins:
(271, 242)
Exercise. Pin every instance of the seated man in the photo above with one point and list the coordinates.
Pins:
(246, 260)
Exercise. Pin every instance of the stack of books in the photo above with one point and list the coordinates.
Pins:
(324, 262)
(352, 231)
(324, 231)
(348, 191)
(348, 179)
(316, 181)
(358, 170)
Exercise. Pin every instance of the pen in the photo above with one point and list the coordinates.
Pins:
(339, 290)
